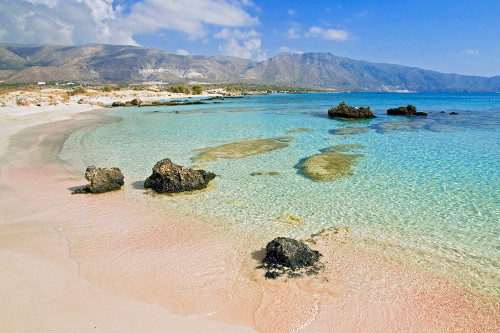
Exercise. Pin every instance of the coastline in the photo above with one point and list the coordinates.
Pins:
(120, 251)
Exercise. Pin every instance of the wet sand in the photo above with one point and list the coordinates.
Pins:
(113, 262)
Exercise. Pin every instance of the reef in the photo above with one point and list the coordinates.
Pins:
(343, 148)
(350, 130)
(102, 180)
(300, 130)
(328, 166)
(241, 149)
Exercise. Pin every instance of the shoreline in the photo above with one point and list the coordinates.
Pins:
(134, 254)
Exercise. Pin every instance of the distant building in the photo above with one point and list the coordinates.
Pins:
(41, 82)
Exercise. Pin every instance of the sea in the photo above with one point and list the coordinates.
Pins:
(424, 190)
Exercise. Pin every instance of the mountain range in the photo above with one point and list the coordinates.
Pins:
(98, 63)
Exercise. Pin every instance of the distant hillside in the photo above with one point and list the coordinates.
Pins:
(114, 63)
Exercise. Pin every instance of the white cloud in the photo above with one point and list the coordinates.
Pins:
(291, 11)
(151, 15)
(249, 49)
(182, 52)
(294, 33)
(470, 51)
(95, 21)
(330, 34)
(236, 34)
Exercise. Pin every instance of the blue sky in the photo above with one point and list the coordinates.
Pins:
(447, 36)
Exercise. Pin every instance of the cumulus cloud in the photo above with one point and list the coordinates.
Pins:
(330, 34)
(182, 52)
(236, 34)
(151, 15)
(96, 21)
(51, 21)
(248, 49)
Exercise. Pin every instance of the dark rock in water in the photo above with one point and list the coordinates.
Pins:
(169, 177)
(115, 104)
(453, 113)
(136, 102)
(442, 112)
(287, 255)
(102, 180)
(409, 110)
(345, 111)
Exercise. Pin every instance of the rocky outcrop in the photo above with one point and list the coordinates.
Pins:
(287, 255)
(345, 111)
(138, 102)
(102, 180)
(169, 177)
(409, 110)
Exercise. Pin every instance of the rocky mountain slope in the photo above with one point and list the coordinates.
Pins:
(115, 63)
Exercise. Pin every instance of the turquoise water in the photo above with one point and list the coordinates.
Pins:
(426, 190)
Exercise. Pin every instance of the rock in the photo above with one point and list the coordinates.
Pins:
(345, 111)
(136, 102)
(169, 177)
(453, 113)
(409, 110)
(328, 166)
(287, 255)
(115, 104)
(102, 180)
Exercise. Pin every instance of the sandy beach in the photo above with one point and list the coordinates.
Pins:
(110, 262)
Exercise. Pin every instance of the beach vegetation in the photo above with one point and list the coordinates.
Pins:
(197, 90)
(178, 89)
(76, 91)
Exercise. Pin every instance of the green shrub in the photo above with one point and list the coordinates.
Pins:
(197, 90)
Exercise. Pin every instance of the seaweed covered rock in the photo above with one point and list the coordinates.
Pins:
(169, 177)
(345, 111)
(409, 110)
(102, 180)
(287, 255)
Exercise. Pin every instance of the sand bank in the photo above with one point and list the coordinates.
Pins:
(114, 263)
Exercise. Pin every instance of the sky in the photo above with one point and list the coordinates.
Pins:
(447, 36)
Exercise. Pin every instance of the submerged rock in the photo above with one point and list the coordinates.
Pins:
(266, 173)
(350, 130)
(409, 110)
(300, 130)
(289, 220)
(169, 177)
(343, 148)
(287, 255)
(345, 111)
(102, 180)
(328, 166)
(242, 149)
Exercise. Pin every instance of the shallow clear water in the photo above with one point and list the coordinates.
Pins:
(426, 190)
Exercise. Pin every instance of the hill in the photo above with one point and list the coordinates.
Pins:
(97, 63)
